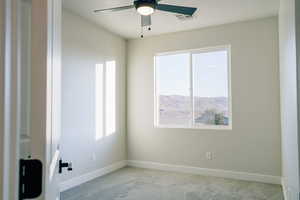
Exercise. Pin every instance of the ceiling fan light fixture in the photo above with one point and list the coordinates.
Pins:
(145, 10)
(145, 7)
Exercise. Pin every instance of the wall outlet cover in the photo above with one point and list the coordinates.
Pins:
(94, 157)
(209, 155)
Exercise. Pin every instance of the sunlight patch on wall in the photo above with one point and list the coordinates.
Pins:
(99, 72)
(105, 102)
(110, 100)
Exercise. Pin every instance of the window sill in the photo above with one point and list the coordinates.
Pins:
(194, 127)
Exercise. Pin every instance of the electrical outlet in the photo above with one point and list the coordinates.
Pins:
(208, 155)
(94, 157)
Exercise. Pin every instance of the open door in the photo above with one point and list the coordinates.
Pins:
(39, 88)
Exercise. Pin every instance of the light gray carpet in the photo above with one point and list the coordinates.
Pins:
(143, 184)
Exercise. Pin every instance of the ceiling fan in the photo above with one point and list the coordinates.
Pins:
(147, 7)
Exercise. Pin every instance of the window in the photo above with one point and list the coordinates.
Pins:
(105, 101)
(193, 89)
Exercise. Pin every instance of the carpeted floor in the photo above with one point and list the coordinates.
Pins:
(143, 184)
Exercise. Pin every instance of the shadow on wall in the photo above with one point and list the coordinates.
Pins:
(105, 102)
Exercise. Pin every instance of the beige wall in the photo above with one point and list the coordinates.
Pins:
(84, 46)
(253, 145)
(289, 98)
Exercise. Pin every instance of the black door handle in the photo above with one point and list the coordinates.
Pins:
(64, 165)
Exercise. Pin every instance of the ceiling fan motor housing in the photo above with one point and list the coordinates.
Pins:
(147, 3)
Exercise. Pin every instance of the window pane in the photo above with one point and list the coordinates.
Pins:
(173, 93)
(110, 101)
(210, 88)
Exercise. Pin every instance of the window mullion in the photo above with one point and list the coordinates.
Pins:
(157, 100)
(191, 89)
(104, 99)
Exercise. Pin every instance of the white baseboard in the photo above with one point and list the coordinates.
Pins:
(284, 188)
(289, 193)
(90, 176)
(207, 172)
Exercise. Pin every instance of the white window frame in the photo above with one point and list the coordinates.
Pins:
(192, 125)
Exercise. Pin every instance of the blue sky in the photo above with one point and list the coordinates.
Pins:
(210, 74)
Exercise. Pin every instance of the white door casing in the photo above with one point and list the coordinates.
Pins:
(45, 71)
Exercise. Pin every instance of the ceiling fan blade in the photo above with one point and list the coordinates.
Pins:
(115, 9)
(146, 20)
(177, 9)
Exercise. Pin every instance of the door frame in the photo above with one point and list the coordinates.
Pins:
(9, 92)
(1, 96)
(3, 135)
(8, 74)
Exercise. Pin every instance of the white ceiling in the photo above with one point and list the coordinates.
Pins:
(210, 12)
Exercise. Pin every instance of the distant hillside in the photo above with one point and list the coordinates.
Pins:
(176, 109)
